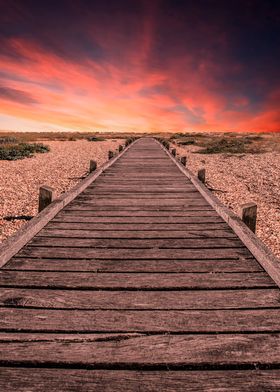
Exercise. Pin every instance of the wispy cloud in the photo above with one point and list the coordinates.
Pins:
(141, 65)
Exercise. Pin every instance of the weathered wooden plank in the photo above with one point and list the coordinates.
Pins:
(136, 227)
(127, 210)
(138, 220)
(216, 350)
(142, 202)
(136, 196)
(135, 281)
(144, 214)
(142, 208)
(65, 380)
(136, 234)
(85, 253)
(151, 321)
(129, 300)
(221, 265)
(182, 243)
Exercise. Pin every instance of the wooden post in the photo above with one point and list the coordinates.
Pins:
(201, 174)
(184, 161)
(110, 154)
(248, 215)
(92, 166)
(173, 152)
(46, 196)
(120, 148)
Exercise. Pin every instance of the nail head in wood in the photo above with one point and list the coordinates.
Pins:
(201, 174)
(248, 215)
(110, 154)
(120, 148)
(92, 166)
(173, 152)
(184, 161)
(46, 196)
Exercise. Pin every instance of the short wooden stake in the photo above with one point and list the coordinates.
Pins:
(173, 152)
(201, 174)
(120, 148)
(248, 215)
(92, 166)
(46, 196)
(110, 154)
(184, 161)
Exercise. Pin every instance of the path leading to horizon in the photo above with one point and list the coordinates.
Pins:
(138, 284)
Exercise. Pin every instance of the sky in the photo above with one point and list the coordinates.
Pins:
(140, 65)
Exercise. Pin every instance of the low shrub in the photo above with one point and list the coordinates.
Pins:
(7, 140)
(231, 146)
(187, 142)
(12, 152)
(95, 139)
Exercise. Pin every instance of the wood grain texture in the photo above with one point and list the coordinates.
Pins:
(144, 321)
(171, 254)
(136, 234)
(62, 380)
(134, 281)
(182, 243)
(140, 227)
(138, 220)
(132, 300)
(55, 264)
(115, 351)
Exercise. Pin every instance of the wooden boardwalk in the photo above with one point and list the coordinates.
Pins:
(138, 285)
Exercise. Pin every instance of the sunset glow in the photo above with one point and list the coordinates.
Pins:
(139, 66)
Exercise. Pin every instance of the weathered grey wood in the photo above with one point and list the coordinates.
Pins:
(92, 166)
(149, 196)
(248, 214)
(65, 380)
(82, 265)
(131, 300)
(143, 202)
(218, 350)
(46, 197)
(182, 243)
(169, 222)
(136, 281)
(137, 213)
(139, 227)
(72, 233)
(201, 174)
(144, 321)
(123, 253)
